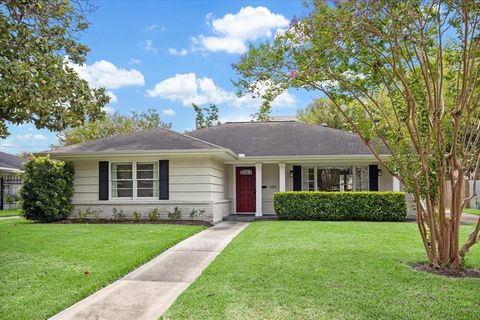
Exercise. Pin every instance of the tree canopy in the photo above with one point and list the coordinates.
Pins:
(323, 111)
(205, 117)
(412, 69)
(111, 125)
(37, 38)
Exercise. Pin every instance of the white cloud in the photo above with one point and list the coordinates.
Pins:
(152, 27)
(175, 52)
(108, 109)
(105, 74)
(149, 47)
(113, 97)
(135, 61)
(7, 143)
(30, 136)
(232, 31)
(187, 88)
(169, 112)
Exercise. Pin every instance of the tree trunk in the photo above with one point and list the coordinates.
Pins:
(439, 228)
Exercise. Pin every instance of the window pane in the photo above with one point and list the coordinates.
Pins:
(361, 178)
(121, 171)
(335, 179)
(124, 184)
(145, 184)
(308, 178)
(145, 193)
(147, 171)
(124, 193)
(122, 189)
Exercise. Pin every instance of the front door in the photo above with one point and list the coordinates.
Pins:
(245, 183)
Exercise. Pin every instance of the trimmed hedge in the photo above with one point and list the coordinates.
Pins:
(338, 206)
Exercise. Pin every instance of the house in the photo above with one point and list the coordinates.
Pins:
(210, 173)
(10, 164)
(10, 167)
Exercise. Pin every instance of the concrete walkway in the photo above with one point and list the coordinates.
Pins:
(465, 219)
(10, 218)
(147, 292)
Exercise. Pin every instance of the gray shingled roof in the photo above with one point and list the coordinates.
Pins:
(282, 138)
(151, 139)
(10, 161)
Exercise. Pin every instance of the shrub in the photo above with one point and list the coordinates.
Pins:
(176, 214)
(137, 216)
(366, 206)
(153, 215)
(119, 215)
(46, 194)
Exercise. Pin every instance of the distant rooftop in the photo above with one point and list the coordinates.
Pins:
(10, 161)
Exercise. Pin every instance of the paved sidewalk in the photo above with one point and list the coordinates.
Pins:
(147, 292)
(10, 218)
(465, 219)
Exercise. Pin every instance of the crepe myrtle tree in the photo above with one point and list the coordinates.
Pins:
(409, 71)
(38, 41)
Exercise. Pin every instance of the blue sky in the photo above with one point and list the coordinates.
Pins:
(168, 54)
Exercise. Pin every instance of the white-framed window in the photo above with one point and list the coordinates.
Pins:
(147, 180)
(308, 178)
(132, 180)
(122, 180)
(344, 178)
(361, 178)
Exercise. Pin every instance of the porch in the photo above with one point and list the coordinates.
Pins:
(251, 185)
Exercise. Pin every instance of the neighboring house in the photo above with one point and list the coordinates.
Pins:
(10, 167)
(234, 167)
(10, 164)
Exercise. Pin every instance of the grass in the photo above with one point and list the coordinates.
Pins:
(9, 213)
(48, 267)
(327, 270)
(472, 211)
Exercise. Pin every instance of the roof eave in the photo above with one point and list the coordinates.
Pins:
(64, 155)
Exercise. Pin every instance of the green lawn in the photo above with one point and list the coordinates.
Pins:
(472, 211)
(48, 267)
(327, 270)
(9, 213)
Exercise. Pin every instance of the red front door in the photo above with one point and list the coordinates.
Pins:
(245, 178)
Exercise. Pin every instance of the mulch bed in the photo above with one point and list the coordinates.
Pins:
(462, 273)
(109, 221)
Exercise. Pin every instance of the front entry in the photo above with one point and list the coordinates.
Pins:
(245, 185)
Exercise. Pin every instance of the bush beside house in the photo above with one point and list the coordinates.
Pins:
(365, 206)
(46, 194)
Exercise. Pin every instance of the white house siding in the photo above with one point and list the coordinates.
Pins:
(194, 182)
(270, 181)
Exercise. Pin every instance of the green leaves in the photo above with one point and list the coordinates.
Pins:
(111, 125)
(36, 85)
(47, 189)
(338, 206)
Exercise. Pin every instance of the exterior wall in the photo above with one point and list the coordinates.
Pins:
(270, 185)
(385, 181)
(207, 211)
(195, 183)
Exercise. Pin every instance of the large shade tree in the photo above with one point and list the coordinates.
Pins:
(322, 111)
(412, 67)
(112, 125)
(37, 38)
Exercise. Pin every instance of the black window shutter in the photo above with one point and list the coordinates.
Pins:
(297, 178)
(373, 177)
(103, 180)
(163, 193)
